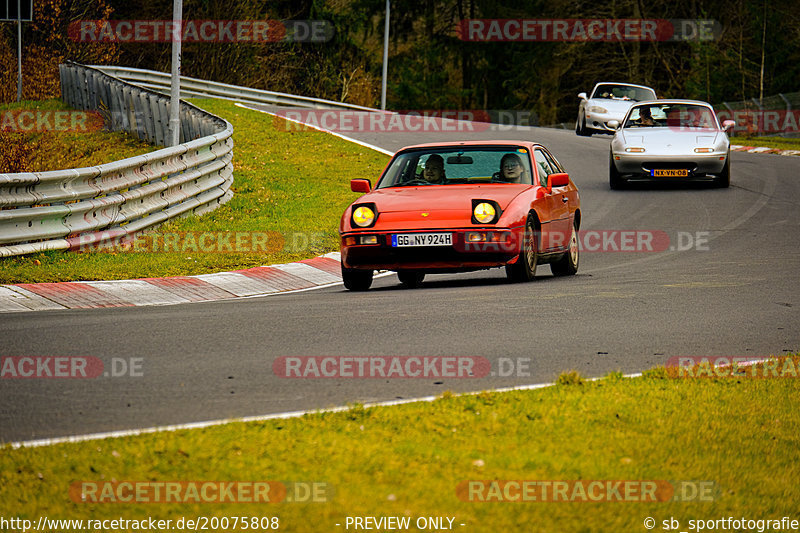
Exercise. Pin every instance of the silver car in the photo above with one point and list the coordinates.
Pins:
(670, 139)
(609, 101)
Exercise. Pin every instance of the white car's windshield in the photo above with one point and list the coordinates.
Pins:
(672, 116)
(458, 165)
(611, 91)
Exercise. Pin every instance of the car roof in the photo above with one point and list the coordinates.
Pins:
(469, 143)
(621, 83)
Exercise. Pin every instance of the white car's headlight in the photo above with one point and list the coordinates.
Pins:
(637, 150)
(703, 150)
(598, 109)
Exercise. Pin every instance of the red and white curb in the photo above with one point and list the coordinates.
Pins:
(762, 150)
(307, 274)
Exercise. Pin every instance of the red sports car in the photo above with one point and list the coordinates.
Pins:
(457, 207)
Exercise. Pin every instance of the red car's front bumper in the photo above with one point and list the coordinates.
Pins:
(501, 247)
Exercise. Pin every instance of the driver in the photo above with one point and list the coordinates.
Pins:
(645, 118)
(434, 169)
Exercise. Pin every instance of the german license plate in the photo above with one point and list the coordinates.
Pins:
(669, 173)
(401, 240)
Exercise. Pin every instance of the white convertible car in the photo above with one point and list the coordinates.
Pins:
(670, 139)
(609, 101)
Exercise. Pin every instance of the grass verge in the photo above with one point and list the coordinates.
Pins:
(781, 143)
(290, 188)
(742, 434)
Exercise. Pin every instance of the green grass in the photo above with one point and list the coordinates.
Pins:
(781, 143)
(292, 183)
(741, 434)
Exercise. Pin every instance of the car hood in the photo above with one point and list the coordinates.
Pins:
(435, 206)
(441, 197)
(669, 138)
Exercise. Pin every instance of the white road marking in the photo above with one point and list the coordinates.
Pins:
(346, 138)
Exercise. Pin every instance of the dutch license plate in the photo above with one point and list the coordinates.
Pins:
(669, 173)
(422, 239)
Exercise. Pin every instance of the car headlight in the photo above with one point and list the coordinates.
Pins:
(635, 150)
(363, 216)
(598, 109)
(703, 150)
(484, 212)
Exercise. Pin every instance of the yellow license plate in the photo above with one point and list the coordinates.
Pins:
(669, 173)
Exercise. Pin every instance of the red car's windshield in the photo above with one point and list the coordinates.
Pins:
(447, 166)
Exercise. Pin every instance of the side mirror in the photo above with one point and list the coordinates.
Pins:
(360, 185)
(613, 124)
(728, 125)
(583, 96)
(560, 179)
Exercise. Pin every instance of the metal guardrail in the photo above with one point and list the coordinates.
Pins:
(94, 206)
(192, 87)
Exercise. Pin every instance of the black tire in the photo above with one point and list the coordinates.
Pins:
(615, 180)
(723, 180)
(411, 279)
(568, 265)
(580, 128)
(525, 267)
(356, 280)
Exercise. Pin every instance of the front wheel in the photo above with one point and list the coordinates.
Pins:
(356, 280)
(410, 279)
(615, 180)
(580, 128)
(525, 267)
(568, 265)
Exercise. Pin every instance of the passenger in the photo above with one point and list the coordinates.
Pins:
(511, 170)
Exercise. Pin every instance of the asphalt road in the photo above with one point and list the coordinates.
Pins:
(733, 294)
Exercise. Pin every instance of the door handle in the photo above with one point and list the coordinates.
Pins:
(564, 199)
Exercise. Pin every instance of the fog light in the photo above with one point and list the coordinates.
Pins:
(635, 150)
(703, 150)
(368, 239)
(476, 237)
